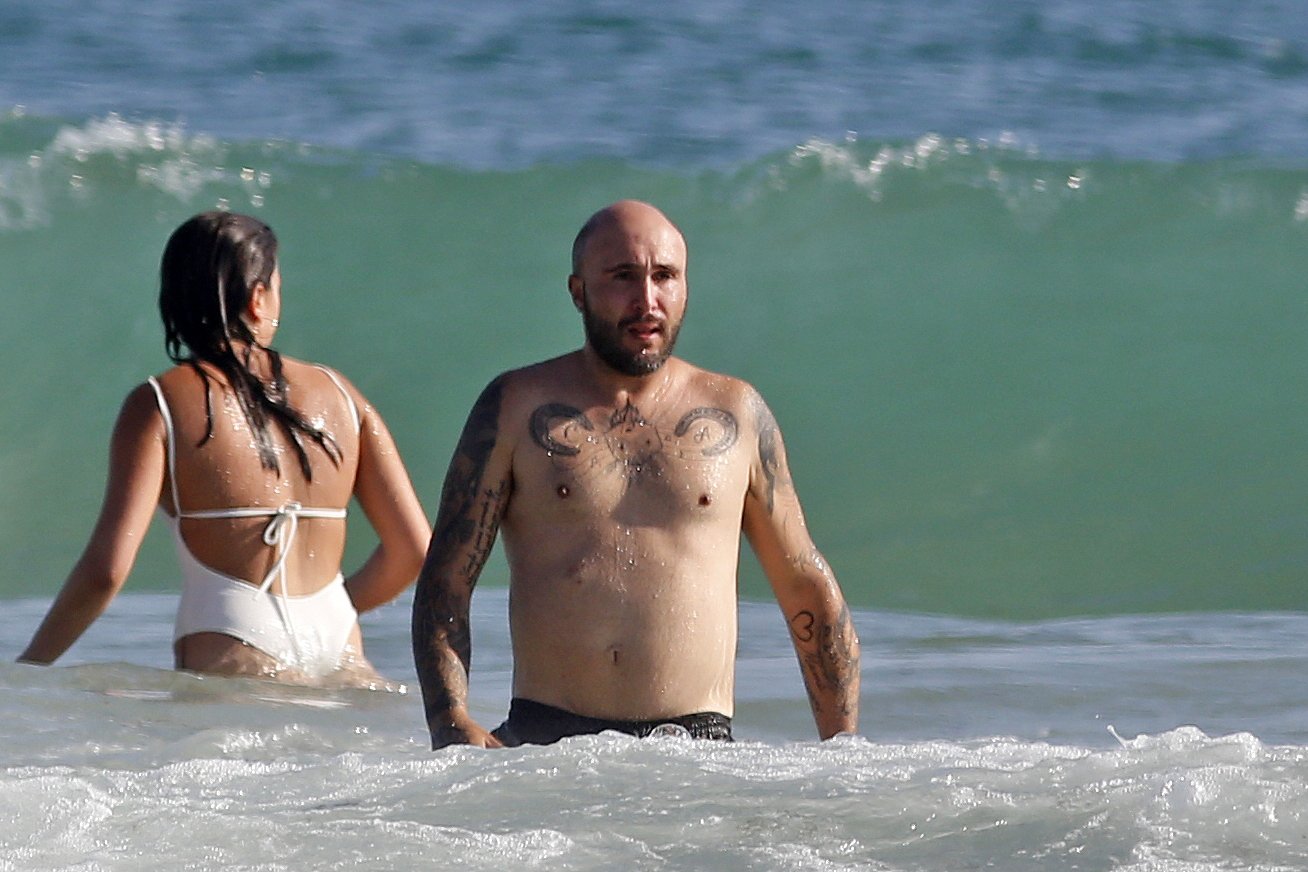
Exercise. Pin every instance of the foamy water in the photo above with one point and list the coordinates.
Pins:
(306, 797)
(1153, 744)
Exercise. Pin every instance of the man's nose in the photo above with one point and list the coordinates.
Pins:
(648, 298)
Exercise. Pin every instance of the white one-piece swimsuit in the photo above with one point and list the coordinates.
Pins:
(309, 632)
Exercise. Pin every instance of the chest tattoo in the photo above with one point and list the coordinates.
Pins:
(627, 443)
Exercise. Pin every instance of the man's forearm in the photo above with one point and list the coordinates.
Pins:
(828, 650)
(442, 650)
(472, 503)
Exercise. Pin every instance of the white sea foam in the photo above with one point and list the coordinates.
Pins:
(112, 766)
(613, 802)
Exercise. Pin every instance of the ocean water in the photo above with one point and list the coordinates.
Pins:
(1159, 743)
(1023, 285)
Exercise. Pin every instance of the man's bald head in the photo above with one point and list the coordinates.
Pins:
(621, 214)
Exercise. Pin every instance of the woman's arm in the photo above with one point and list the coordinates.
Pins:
(386, 495)
(137, 458)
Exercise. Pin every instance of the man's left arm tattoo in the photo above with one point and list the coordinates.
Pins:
(829, 659)
(769, 451)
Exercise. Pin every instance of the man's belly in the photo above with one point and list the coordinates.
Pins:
(634, 645)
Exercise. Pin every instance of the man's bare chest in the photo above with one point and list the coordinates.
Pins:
(657, 468)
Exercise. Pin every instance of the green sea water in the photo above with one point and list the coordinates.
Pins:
(1010, 386)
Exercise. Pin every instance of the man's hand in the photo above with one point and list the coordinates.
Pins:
(461, 729)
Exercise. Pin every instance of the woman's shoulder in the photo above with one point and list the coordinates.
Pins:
(172, 384)
(179, 374)
(323, 386)
(321, 374)
(313, 386)
(142, 412)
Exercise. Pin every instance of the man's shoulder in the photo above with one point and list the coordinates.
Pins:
(544, 370)
(726, 390)
(544, 375)
(515, 392)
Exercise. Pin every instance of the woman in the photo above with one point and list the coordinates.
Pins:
(252, 457)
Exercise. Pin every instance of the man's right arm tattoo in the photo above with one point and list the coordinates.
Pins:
(466, 526)
(457, 520)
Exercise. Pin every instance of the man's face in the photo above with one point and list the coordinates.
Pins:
(632, 292)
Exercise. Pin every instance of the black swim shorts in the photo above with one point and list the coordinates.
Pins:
(534, 723)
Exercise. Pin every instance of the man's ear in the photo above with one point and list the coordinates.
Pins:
(577, 290)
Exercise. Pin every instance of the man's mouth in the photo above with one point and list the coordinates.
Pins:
(645, 330)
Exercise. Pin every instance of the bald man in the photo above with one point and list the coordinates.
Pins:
(621, 478)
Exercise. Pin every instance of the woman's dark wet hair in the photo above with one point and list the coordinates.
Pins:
(210, 267)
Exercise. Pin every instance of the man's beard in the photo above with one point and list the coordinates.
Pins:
(606, 340)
